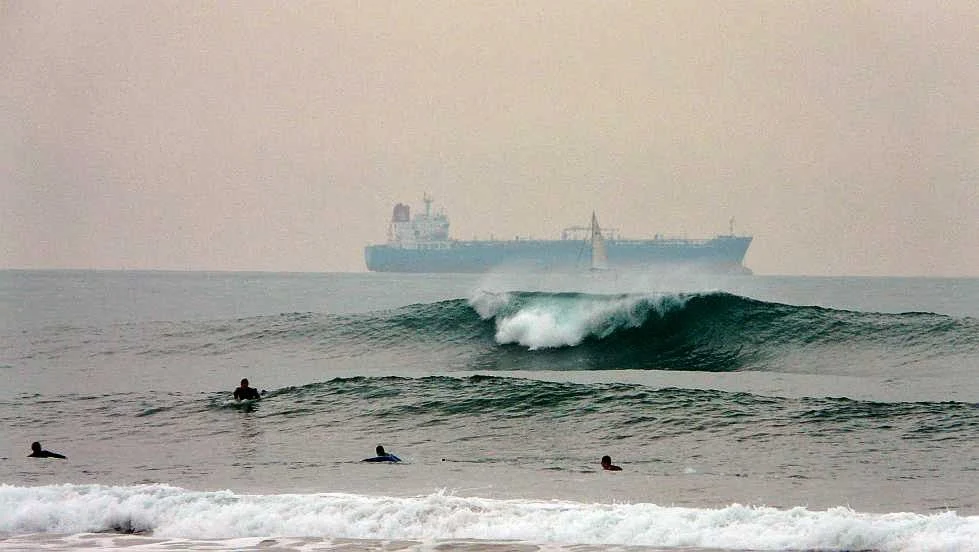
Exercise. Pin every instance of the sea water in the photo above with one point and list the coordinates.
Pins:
(747, 412)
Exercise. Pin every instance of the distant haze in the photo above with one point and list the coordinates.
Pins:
(278, 135)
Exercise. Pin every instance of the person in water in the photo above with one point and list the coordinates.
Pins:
(607, 464)
(38, 452)
(382, 456)
(243, 392)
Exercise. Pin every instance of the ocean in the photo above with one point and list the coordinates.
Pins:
(746, 412)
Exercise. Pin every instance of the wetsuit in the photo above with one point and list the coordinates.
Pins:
(246, 393)
(385, 458)
(45, 454)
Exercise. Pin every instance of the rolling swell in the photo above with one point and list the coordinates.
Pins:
(621, 409)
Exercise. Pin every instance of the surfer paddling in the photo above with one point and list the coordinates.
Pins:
(243, 392)
(607, 464)
(382, 456)
(38, 452)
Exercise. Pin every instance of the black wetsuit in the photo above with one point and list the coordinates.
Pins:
(245, 393)
(45, 454)
(385, 458)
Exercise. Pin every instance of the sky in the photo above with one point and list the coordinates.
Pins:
(182, 135)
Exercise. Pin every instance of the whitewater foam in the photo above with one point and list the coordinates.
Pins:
(173, 513)
(547, 320)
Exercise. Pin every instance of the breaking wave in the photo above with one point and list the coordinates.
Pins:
(171, 512)
(572, 331)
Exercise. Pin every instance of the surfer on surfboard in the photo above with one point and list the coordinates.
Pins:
(38, 452)
(382, 456)
(243, 392)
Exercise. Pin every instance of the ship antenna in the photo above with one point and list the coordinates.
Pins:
(731, 224)
(428, 204)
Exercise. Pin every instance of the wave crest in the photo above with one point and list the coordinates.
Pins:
(549, 320)
(714, 331)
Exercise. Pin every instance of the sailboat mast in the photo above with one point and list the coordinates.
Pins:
(599, 255)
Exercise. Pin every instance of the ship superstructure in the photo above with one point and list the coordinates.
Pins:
(424, 230)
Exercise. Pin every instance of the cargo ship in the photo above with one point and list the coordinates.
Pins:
(421, 243)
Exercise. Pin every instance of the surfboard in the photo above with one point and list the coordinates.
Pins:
(243, 404)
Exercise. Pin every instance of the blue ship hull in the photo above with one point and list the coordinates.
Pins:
(722, 253)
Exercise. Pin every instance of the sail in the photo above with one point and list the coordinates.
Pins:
(599, 255)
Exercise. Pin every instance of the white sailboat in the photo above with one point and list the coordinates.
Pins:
(599, 254)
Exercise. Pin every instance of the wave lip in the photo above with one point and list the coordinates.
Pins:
(170, 512)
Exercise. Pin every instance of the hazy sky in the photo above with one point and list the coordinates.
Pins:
(278, 135)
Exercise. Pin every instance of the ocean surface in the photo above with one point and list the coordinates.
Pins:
(746, 412)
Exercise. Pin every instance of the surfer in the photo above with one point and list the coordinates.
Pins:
(608, 465)
(38, 452)
(244, 392)
(382, 456)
